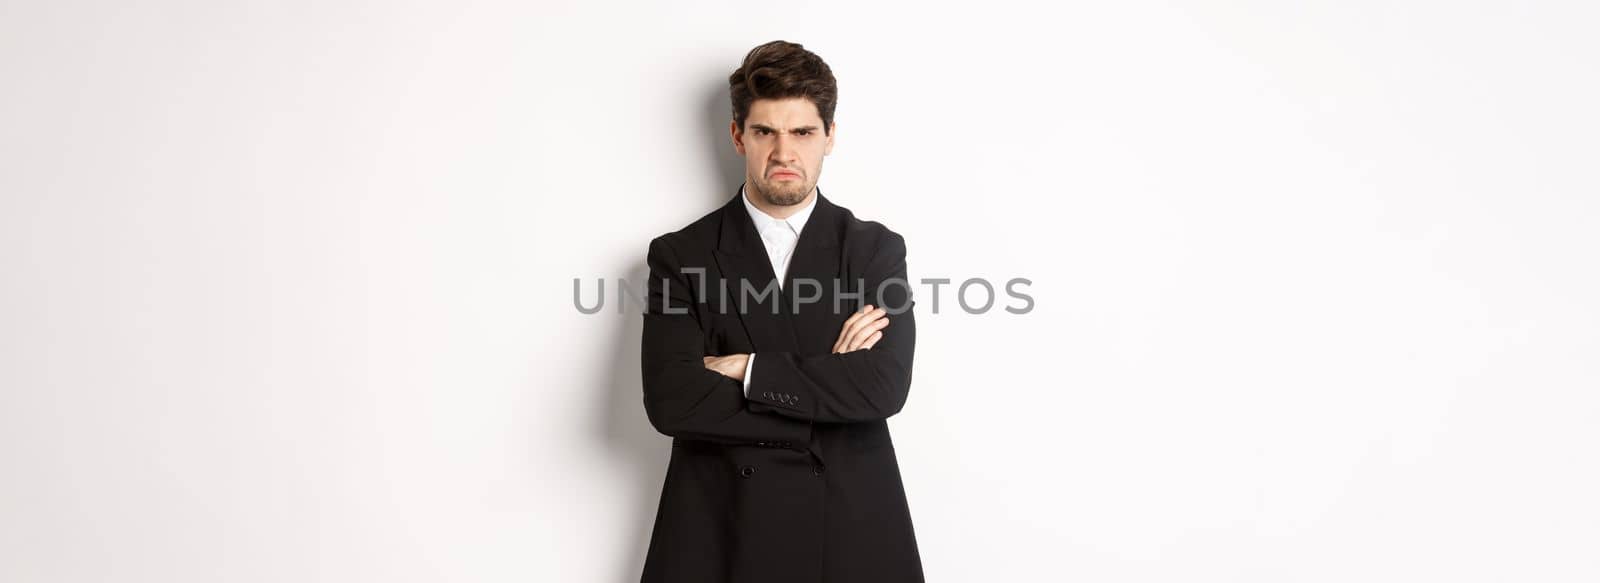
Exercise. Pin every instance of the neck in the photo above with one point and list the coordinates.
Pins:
(775, 211)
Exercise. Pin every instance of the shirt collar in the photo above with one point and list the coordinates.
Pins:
(764, 221)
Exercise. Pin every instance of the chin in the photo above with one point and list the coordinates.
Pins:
(785, 196)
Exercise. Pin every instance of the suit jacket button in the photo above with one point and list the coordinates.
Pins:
(817, 470)
(747, 471)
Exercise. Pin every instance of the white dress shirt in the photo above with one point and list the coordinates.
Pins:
(779, 236)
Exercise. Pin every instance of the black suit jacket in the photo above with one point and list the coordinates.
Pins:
(799, 482)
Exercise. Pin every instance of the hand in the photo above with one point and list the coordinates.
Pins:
(862, 330)
(731, 366)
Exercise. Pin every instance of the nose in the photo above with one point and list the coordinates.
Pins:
(783, 149)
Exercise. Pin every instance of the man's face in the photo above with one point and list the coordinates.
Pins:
(783, 145)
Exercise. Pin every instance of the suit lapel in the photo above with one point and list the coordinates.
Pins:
(772, 323)
(816, 259)
(742, 259)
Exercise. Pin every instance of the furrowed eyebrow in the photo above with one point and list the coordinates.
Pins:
(772, 129)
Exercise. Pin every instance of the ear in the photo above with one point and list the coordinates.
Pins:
(833, 130)
(738, 137)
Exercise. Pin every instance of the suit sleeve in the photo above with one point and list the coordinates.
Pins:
(682, 398)
(857, 386)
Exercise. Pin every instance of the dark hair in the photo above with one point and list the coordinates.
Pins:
(780, 70)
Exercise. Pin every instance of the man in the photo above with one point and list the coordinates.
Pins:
(778, 338)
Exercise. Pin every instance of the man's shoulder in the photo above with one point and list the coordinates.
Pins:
(695, 236)
(868, 236)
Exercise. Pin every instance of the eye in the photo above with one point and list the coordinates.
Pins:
(803, 132)
(763, 132)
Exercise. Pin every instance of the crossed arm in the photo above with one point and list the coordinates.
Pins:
(861, 331)
(692, 395)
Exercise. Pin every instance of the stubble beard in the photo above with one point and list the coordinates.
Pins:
(784, 193)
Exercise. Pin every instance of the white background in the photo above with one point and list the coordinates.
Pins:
(288, 286)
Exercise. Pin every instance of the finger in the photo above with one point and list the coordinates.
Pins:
(866, 319)
(844, 331)
(876, 328)
(856, 317)
(872, 340)
(849, 323)
(866, 331)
